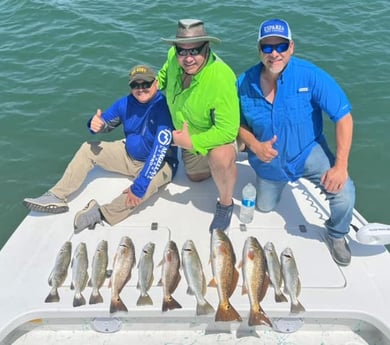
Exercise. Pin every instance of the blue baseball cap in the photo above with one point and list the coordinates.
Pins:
(274, 27)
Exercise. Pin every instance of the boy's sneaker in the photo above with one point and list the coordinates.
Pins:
(339, 250)
(48, 203)
(222, 217)
(88, 217)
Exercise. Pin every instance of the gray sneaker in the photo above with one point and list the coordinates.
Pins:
(88, 217)
(339, 250)
(222, 217)
(48, 203)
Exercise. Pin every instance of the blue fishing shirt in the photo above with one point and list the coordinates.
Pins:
(304, 92)
(148, 132)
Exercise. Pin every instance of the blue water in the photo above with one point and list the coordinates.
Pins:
(60, 60)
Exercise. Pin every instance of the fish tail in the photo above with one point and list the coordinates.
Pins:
(117, 305)
(226, 312)
(297, 308)
(170, 303)
(78, 300)
(53, 296)
(204, 308)
(280, 297)
(258, 317)
(95, 297)
(144, 300)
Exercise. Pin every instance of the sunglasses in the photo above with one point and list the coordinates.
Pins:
(269, 48)
(143, 85)
(191, 51)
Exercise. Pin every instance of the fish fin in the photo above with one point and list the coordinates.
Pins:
(297, 308)
(212, 283)
(298, 287)
(204, 285)
(227, 313)
(280, 297)
(89, 283)
(144, 300)
(190, 291)
(150, 282)
(234, 282)
(71, 285)
(108, 273)
(258, 317)
(78, 300)
(204, 308)
(170, 303)
(176, 283)
(85, 281)
(264, 288)
(117, 305)
(160, 283)
(95, 297)
(50, 279)
(161, 262)
(53, 296)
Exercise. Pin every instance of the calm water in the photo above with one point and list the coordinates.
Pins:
(60, 60)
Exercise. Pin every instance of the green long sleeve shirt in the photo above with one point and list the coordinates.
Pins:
(209, 105)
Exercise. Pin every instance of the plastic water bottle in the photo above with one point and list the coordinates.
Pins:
(248, 203)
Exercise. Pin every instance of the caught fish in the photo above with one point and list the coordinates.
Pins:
(274, 271)
(256, 281)
(99, 272)
(79, 274)
(195, 277)
(124, 261)
(292, 284)
(145, 274)
(59, 272)
(225, 275)
(170, 275)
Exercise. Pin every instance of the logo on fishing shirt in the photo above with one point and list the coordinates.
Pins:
(164, 137)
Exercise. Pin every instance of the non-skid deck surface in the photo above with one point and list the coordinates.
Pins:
(182, 211)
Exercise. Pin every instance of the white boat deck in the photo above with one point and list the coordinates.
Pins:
(344, 305)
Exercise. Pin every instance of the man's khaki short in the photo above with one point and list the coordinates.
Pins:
(198, 164)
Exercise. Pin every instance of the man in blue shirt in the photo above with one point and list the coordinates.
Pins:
(146, 155)
(282, 100)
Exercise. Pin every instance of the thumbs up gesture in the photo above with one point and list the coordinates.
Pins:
(97, 123)
(182, 137)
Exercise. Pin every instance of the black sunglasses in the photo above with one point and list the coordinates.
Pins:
(269, 48)
(143, 85)
(191, 51)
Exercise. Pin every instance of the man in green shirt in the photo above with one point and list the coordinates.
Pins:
(202, 98)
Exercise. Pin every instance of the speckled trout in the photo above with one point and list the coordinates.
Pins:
(59, 271)
(193, 271)
(79, 273)
(145, 274)
(292, 283)
(274, 271)
(99, 271)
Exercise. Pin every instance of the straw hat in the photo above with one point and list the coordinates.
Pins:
(191, 31)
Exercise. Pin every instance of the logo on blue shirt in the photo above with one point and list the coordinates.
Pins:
(165, 137)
